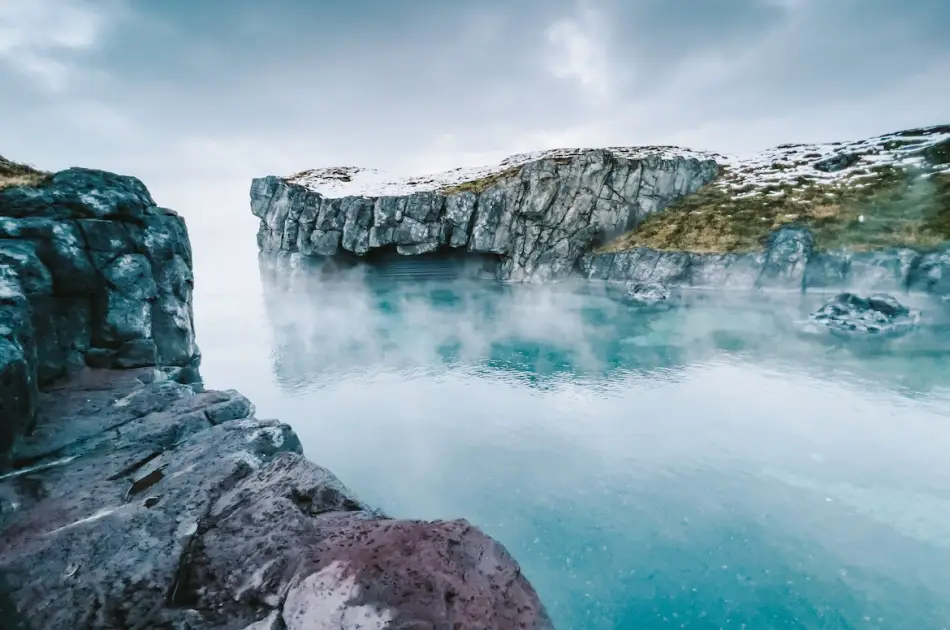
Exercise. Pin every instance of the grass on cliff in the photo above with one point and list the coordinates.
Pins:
(482, 184)
(13, 174)
(899, 209)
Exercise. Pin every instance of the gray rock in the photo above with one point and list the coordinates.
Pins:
(21, 258)
(885, 270)
(86, 257)
(124, 319)
(786, 258)
(150, 505)
(848, 313)
(649, 294)
(931, 273)
(459, 210)
(131, 276)
(540, 218)
(79, 193)
(135, 354)
(828, 270)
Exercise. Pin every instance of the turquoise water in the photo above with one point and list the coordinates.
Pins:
(708, 466)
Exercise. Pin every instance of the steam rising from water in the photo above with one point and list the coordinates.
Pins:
(710, 465)
(327, 319)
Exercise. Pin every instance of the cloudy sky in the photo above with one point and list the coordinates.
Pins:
(198, 96)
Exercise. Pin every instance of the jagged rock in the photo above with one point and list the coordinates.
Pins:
(79, 193)
(541, 217)
(786, 257)
(649, 294)
(137, 498)
(931, 273)
(90, 260)
(146, 504)
(789, 262)
(878, 314)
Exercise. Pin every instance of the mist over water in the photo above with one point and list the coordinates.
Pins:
(713, 465)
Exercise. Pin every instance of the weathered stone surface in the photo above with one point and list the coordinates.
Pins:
(786, 257)
(96, 273)
(540, 218)
(877, 314)
(137, 499)
(931, 273)
(143, 503)
(789, 262)
(79, 193)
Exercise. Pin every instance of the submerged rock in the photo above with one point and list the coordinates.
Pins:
(876, 314)
(648, 294)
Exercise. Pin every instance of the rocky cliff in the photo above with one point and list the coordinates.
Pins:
(538, 212)
(667, 214)
(789, 261)
(92, 272)
(130, 497)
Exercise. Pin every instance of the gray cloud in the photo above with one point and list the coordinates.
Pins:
(196, 98)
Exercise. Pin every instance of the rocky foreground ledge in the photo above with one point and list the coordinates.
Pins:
(141, 503)
(132, 498)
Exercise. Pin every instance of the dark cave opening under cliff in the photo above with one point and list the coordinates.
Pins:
(445, 263)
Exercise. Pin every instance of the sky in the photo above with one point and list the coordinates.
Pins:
(196, 97)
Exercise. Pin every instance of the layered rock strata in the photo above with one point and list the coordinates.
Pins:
(539, 217)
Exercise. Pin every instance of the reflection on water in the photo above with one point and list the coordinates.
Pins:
(708, 466)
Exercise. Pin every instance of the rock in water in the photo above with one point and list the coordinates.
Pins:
(649, 294)
(877, 314)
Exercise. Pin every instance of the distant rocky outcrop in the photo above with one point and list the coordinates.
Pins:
(788, 263)
(130, 497)
(818, 215)
(538, 213)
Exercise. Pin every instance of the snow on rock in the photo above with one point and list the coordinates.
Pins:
(539, 212)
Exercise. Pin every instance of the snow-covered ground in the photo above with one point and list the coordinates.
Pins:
(785, 164)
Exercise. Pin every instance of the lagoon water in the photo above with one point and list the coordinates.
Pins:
(708, 466)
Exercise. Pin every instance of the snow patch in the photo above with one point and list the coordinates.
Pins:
(789, 164)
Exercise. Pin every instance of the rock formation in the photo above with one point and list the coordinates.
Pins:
(132, 498)
(876, 314)
(539, 215)
(789, 262)
(787, 218)
(92, 272)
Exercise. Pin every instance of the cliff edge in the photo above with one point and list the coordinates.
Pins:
(613, 213)
(537, 212)
(130, 497)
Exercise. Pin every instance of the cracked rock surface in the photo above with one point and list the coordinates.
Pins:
(132, 498)
(539, 219)
(92, 272)
(142, 502)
